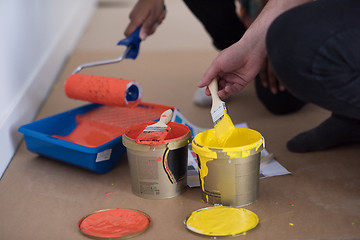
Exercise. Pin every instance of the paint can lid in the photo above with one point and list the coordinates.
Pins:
(221, 221)
(114, 224)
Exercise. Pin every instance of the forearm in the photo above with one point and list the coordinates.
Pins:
(256, 33)
(238, 64)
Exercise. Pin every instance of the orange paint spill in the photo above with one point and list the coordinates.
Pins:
(114, 223)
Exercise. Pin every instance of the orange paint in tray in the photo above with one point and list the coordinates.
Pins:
(106, 123)
(88, 136)
(92, 134)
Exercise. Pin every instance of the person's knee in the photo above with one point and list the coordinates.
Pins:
(288, 50)
(280, 103)
(280, 43)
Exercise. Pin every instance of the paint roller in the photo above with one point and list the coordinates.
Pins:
(107, 90)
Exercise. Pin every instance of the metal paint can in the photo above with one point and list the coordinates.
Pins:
(158, 171)
(229, 175)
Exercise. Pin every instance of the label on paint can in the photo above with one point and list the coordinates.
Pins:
(104, 155)
(150, 188)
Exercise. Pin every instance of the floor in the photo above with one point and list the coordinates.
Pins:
(44, 199)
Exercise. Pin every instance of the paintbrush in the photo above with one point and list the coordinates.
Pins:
(223, 125)
(156, 133)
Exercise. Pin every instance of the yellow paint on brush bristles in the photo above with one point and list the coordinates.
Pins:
(222, 221)
(224, 130)
(223, 125)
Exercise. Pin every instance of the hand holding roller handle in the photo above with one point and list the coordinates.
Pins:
(132, 50)
(107, 90)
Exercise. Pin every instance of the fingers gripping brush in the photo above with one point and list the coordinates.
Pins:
(156, 133)
(223, 125)
(107, 90)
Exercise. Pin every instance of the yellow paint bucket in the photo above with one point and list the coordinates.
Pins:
(229, 175)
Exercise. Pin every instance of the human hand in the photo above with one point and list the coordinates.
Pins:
(234, 68)
(268, 78)
(149, 14)
(237, 65)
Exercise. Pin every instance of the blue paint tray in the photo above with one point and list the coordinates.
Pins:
(39, 135)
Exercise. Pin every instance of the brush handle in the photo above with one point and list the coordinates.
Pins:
(216, 101)
(166, 117)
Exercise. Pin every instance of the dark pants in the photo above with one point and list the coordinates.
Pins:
(314, 50)
(219, 19)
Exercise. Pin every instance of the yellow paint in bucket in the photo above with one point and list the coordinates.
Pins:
(229, 174)
(221, 221)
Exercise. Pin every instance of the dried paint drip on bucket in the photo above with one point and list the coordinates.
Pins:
(114, 224)
(158, 170)
(229, 174)
(221, 221)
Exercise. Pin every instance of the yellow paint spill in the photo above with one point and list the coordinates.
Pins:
(204, 172)
(222, 221)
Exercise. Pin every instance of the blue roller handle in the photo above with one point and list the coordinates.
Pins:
(133, 43)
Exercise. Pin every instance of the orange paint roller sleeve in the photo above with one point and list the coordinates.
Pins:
(103, 90)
